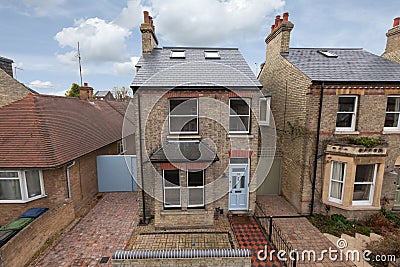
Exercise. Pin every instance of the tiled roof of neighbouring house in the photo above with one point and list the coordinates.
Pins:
(47, 131)
(158, 69)
(343, 65)
(101, 93)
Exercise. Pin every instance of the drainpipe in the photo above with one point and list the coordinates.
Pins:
(321, 97)
(68, 178)
(141, 161)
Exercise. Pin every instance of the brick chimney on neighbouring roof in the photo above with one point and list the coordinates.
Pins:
(149, 38)
(6, 65)
(86, 92)
(392, 51)
(279, 38)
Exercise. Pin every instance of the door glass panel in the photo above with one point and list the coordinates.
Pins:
(242, 181)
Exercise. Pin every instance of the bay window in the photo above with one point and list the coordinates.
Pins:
(172, 188)
(338, 173)
(364, 184)
(195, 182)
(21, 186)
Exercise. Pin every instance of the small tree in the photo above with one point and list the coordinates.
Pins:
(74, 91)
(121, 93)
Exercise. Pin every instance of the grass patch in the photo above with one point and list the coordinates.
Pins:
(366, 141)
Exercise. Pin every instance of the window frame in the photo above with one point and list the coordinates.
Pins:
(121, 146)
(248, 101)
(372, 189)
(172, 187)
(332, 199)
(391, 112)
(354, 115)
(23, 186)
(195, 187)
(197, 115)
(267, 111)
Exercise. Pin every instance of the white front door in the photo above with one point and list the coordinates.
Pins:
(238, 187)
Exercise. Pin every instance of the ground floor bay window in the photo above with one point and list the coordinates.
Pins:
(183, 193)
(20, 186)
(353, 181)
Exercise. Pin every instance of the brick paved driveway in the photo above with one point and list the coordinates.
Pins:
(105, 229)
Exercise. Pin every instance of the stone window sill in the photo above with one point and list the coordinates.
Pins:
(346, 132)
(249, 136)
(391, 132)
(354, 207)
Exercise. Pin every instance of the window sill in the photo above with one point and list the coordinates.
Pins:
(180, 136)
(391, 131)
(189, 211)
(353, 207)
(22, 201)
(346, 132)
(240, 135)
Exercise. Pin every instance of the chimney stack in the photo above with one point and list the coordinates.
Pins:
(392, 51)
(149, 38)
(280, 33)
(86, 92)
(6, 65)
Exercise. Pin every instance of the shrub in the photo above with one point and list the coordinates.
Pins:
(389, 245)
(366, 141)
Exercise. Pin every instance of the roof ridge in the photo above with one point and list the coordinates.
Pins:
(329, 48)
(200, 47)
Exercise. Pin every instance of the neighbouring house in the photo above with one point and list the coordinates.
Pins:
(392, 51)
(48, 147)
(198, 132)
(324, 101)
(10, 89)
(104, 95)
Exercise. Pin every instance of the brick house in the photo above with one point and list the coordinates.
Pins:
(10, 89)
(198, 131)
(322, 97)
(48, 147)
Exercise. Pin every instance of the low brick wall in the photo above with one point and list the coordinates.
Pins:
(198, 258)
(23, 246)
(184, 219)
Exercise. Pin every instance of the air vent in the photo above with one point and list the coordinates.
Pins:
(327, 53)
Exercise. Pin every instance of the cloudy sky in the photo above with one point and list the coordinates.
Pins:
(41, 36)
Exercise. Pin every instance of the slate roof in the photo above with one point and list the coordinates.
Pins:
(159, 70)
(184, 152)
(351, 64)
(41, 131)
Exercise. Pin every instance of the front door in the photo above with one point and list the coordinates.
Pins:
(397, 200)
(238, 185)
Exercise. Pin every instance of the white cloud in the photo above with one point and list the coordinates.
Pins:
(59, 93)
(210, 22)
(99, 41)
(130, 16)
(43, 8)
(125, 68)
(37, 84)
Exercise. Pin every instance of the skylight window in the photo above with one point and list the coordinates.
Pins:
(327, 53)
(177, 54)
(212, 54)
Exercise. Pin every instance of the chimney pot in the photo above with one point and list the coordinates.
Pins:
(277, 18)
(85, 84)
(272, 27)
(286, 16)
(146, 16)
(396, 22)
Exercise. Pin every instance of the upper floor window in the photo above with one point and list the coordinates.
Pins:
(265, 112)
(21, 186)
(392, 113)
(346, 114)
(183, 115)
(239, 115)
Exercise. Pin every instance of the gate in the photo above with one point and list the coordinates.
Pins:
(116, 173)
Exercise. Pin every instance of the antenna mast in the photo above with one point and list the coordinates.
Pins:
(80, 65)
(15, 71)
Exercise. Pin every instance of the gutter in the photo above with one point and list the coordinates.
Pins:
(316, 150)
